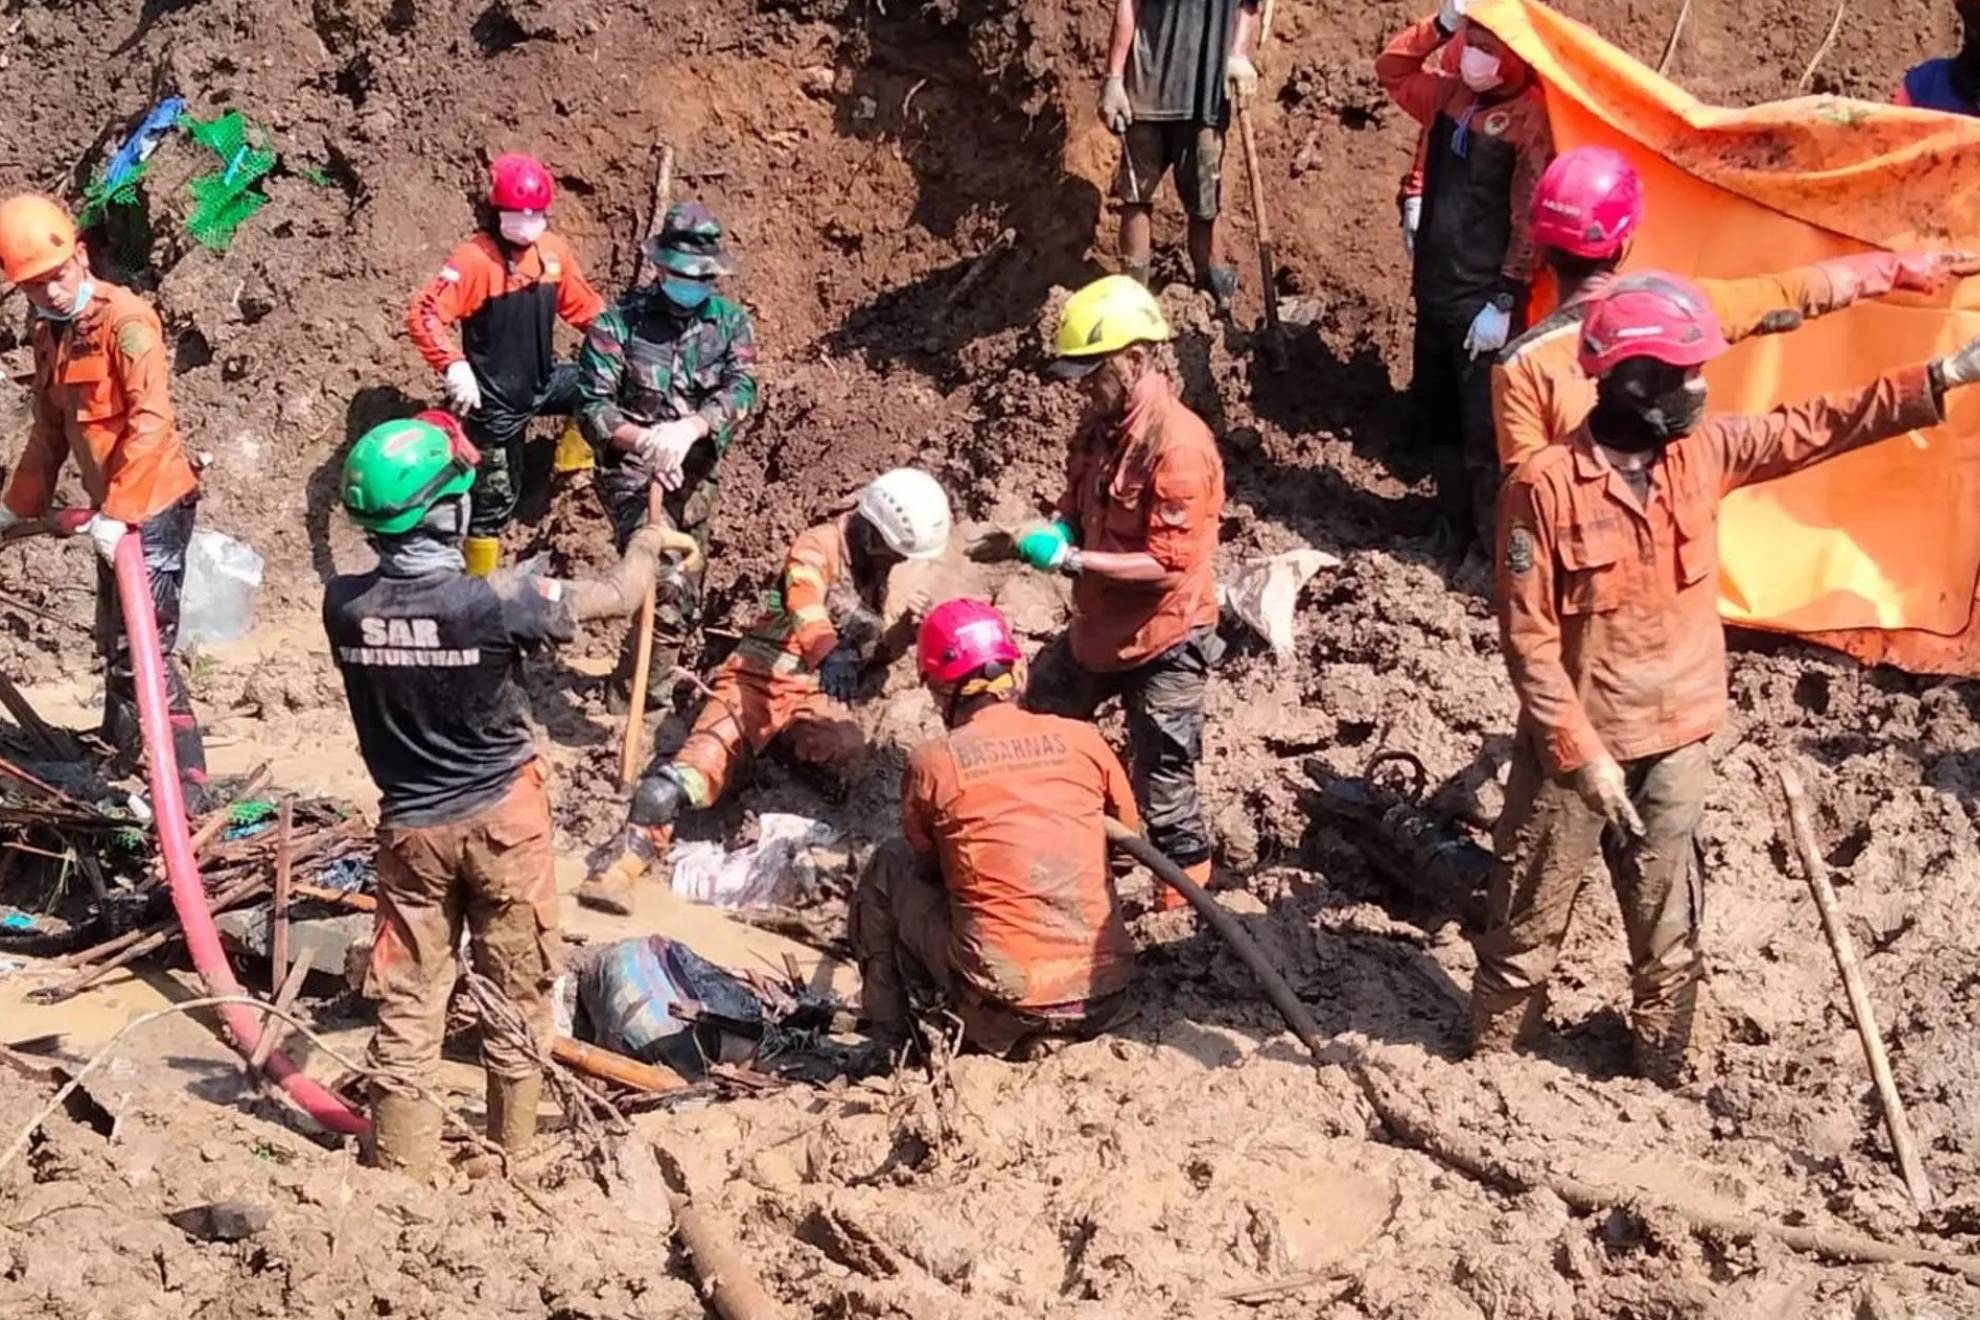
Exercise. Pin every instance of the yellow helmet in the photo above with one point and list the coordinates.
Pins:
(1103, 318)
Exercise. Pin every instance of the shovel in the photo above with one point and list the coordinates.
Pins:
(1272, 342)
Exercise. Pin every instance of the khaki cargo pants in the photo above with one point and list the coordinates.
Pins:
(1547, 837)
(493, 873)
(898, 925)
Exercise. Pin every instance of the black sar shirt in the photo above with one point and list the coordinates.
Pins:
(429, 666)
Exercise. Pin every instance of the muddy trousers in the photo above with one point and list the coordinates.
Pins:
(498, 430)
(1451, 392)
(898, 925)
(166, 536)
(1547, 837)
(622, 489)
(1164, 701)
(491, 873)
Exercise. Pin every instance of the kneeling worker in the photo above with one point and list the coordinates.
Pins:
(429, 657)
(999, 898)
(796, 672)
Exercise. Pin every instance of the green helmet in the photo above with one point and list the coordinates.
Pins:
(398, 471)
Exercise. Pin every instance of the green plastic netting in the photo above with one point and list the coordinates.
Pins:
(227, 198)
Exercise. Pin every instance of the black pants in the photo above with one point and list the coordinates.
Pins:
(166, 537)
(1452, 394)
(498, 431)
(1164, 701)
(622, 489)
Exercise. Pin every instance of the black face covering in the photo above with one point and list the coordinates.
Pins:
(1657, 411)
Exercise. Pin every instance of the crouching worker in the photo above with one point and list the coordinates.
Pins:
(999, 899)
(429, 657)
(795, 674)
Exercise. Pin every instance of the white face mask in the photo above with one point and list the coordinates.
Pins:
(1479, 70)
(523, 227)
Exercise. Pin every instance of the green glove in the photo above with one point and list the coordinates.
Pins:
(1045, 546)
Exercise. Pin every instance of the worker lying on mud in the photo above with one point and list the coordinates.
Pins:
(1585, 215)
(1137, 533)
(429, 656)
(666, 377)
(1950, 83)
(1474, 251)
(485, 324)
(101, 393)
(1174, 67)
(1609, 612)
(796, 672)
(998, 900)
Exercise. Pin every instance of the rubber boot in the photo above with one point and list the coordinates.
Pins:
(1170, 899)
(1663, 1039)
(512, 1106)
(573, 451)
(405, 1134)
(611, 887)
(1222, 282)
(483, 554)
(1503, 1022)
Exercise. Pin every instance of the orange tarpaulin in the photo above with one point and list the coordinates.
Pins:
(1877, 553)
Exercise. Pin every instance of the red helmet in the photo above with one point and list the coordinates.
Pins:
(520, 183)
(1589, 203)
(961, 637)
(1654, 315)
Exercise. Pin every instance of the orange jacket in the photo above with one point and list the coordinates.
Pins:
(1013, 806)
(505, 311)
(102, 393)
(1539, 394)
(1152, 483)
(1609, 610)
(819, 598)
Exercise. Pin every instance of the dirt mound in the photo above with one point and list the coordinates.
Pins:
(867, 156)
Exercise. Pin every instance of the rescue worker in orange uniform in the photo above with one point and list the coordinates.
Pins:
(1585, 216)
(1473, 253)
(1137, 534)
(1608, 601)
(999, 898)
(796, 673)
(101, 394)
(486, 324)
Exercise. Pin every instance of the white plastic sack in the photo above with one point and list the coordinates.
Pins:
(222, 575)
(1266, 593)
(775, 871)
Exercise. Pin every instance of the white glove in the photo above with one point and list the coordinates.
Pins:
(1116, 111)
(463, 390)
(1961, 368)
(1243, 76)
(1488, 331)
(1452, 14)
(105, 532)
(664, 448)
(8, 518)
(1412, 220)
(1604, 788)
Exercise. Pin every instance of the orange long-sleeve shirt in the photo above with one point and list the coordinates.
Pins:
(1608, 607)
(1153, 483)
(1540, 394)
(102, 394)
(819, 597)
(1013, 805)
(498, 308)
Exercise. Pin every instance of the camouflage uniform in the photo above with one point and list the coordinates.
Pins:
(647, 361)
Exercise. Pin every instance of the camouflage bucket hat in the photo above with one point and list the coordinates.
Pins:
(690, 243)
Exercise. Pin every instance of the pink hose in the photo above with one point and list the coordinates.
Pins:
(188, 890)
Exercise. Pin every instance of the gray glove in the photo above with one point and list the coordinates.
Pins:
(1961, 368)
(1116, 111)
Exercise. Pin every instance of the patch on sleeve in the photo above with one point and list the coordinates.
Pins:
(449, 274)
(134, 339)
(1172, 513)
(550, 589)
(1520, 549)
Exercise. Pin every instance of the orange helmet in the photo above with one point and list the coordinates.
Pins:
(36, 236)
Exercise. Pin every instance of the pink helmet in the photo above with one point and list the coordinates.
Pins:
(961, 637)
(1589, 203)
(1655, 315)
(519, 183)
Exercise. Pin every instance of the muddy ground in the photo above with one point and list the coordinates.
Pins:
(865, 154)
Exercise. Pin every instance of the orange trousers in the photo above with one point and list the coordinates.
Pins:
(751, 706)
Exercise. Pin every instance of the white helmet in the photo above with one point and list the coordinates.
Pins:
(910, 511)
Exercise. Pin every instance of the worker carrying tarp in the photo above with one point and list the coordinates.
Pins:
(1876, 554)
(430, 658)
(485, 323)
(101, 394)
(998, 901)
(1607, 551)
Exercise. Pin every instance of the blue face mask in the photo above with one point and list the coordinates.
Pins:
(688, 295)
(84, 293)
